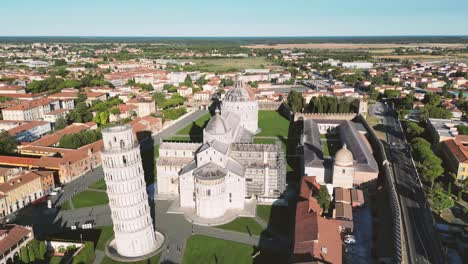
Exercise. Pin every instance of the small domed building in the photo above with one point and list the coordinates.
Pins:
(343, 169)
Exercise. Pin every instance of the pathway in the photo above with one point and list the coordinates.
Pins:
(99, 256)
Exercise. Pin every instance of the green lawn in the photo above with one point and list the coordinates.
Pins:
(264, 212)
(178, 138)
(89, 198)
(277, 218)
(244, 225)
(195, 127)
(55, 260)
(265, 140)
(206, 250)
(100, 185)
(272, 124)
(152, 260)
(106, 233)
(65, 206)
(330, 147)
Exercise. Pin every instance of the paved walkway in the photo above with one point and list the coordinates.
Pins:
(191, 216)
(99, 256)
(98, 215)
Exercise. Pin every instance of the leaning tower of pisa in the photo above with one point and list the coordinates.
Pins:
(128, 200)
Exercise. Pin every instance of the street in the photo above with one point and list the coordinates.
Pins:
(423, 243)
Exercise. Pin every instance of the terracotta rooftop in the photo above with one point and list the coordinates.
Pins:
(53, 138)
(11, 236)
(457, 149)
(17, 181)
(26, 126)
(64, 95)
(30, 104)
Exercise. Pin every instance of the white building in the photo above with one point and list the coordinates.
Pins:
(123, 171)
(219, 174)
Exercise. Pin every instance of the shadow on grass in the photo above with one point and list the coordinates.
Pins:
(275, 242)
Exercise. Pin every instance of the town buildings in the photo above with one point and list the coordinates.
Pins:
(455, 155)
(19, 188)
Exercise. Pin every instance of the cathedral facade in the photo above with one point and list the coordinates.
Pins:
(226, 168)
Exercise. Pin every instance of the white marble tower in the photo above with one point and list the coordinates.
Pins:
(126, 188)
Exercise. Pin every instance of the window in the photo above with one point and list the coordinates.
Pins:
(324, 250)
(208, 192)
(344, 171)
(124, 160)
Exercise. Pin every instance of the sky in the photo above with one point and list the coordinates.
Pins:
(233, 17)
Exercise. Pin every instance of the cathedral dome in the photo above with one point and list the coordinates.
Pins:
(344, 157)
(217, 125)
(239, 93)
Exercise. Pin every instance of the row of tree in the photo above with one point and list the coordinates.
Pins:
(322, 104)
(54, 84)
(34, 252)
(428, 164)
(80, 139)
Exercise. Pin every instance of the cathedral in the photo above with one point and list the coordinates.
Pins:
(226, 168)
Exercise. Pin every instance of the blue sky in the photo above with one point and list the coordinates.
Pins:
(233, 17)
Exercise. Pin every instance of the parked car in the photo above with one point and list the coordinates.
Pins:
(349, 239)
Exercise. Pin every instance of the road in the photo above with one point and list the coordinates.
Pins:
(422, 241)
(170, 131)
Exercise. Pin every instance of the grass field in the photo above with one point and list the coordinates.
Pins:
(65, 206)
(199, 123)
(89, 198)
(225, 64)
(264, 212)
(244, 225)
(330, 147)
(100, 185)
(277, 218)
(178, 138)
(272, 124)
(207, 250)
(106, 233)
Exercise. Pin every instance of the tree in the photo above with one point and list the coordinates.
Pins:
(8, 143)
(42, 250)
(462, 130)
(24, 256)
(431, 99)
(226, 82)
(159, 99)
(460, 94)
(295, 101)
(60, 62)
(391, 93)
(414, 130)
(323, 198)
(201, 81)
(81, 114)
(31, 255)
(439, 200)
(61, 123)
(187, 81)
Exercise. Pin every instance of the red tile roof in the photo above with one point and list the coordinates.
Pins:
(458, 150)
(12, 235)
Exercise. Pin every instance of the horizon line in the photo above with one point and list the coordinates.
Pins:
(227, 36)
